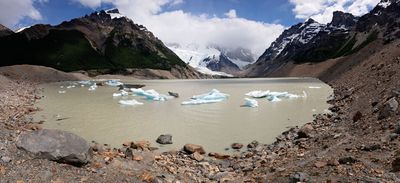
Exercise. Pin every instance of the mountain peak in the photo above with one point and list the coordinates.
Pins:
(342, 19)
(114, 10)
(5, 31)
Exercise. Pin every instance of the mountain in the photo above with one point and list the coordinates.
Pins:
(4, 31)
(309, 45)
(305, 42)
(101, 40)
(214, 59)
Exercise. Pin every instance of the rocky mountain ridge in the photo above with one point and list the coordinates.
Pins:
(104, 40)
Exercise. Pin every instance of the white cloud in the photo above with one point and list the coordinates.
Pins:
(322, 10)
(231, 14)
(186, 29)
(13, 11)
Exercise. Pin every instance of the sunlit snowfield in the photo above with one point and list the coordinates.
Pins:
(97, 115)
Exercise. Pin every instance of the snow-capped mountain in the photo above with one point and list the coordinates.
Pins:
(302, 41)
(214, 60)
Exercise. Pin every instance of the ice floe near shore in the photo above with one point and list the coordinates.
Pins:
(132, 102)
(113, 83)
(121, 93)
(213, 96)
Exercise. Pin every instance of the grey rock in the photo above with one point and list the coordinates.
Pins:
(397, 128)
(393, 136)
(164, 139)
(56, 145)
(299, 177)
(348, 160)
(5, 159)
(253, 144)
(390, 107)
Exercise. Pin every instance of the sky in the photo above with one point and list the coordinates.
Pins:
(251, 24)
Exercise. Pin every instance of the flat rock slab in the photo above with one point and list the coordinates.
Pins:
(56, 145)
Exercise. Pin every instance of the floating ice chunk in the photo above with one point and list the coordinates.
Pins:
(201, 101)
(71, 86)
(211, 97)
(120, 94)
(273, 96)
(113, 83)
(86, 82)
(250, 103)
(150, 94)
(62, 92)
(93, 87)
(61, 86)
(314, 87)
(130, 102)
(258, 94)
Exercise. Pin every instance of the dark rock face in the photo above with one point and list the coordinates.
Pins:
(56, 145)
(341, 19)
(222, 64)
(96, 41)
(164, 139)
(4, 31)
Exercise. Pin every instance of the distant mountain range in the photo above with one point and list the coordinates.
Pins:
(214, 59)
(312, 42)
(104, 40)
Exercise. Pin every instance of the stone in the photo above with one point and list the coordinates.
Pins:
(253, 144)
(143, 145)
(320, 164)
(197, 156)
(164, 139)
(333, 162)
(236, 146)
(305, 131)
(371, 147)
(5, 159)
(219, 155)
(299, 177)
(393, 136)
(348, 160)
(56, 145)
(192, 148)
(137, 157)
(357, 116)
(396, 162)
(397, 128)
(390, 107)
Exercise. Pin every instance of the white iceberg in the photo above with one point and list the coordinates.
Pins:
(250, 102)
(86, 82)
(213, 96)
(93, 87)
(130, 102)
(314, 87)
(113, 83)
(62, 92)
(150, 94)
(273, 96)
(120, 94)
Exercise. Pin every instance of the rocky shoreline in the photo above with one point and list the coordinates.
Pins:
(357, 142)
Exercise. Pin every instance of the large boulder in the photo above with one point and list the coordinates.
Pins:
(56, 145)
(164, 139)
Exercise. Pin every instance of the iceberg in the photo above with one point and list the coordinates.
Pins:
(250, 102)
(86, 82)
(62, 92)
(273, 96)
(113, 83)
(213, 96)
(130, 102)
(314, 87)
(120, 94)
(150, 94)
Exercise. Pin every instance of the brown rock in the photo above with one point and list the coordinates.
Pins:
(143, 144)
(357, 116)
(192, 148)
(236, 146)
(305, 131)
(320, 164)
(333, 162)
(197, 156)
(137, 158)
(33, 127)
(218, 155)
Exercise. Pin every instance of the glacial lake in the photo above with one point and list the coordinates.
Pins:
(97, 115)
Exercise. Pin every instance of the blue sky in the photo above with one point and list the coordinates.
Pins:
(270, 11)
(252, 24)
